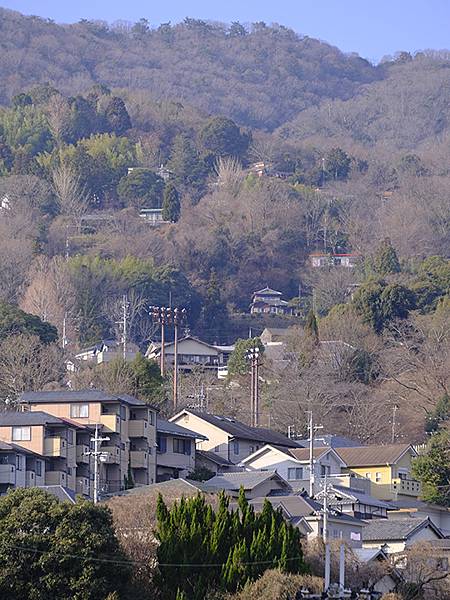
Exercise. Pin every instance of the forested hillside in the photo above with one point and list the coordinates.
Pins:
(350, 158)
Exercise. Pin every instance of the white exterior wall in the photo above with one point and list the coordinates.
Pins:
(424, 535)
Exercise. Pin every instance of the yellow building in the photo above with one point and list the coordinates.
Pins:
(387, 467)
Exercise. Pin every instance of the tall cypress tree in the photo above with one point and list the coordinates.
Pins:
(171, 203)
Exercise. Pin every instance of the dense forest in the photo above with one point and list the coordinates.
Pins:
(98, 122)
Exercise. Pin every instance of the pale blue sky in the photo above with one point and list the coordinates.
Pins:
(372, 28)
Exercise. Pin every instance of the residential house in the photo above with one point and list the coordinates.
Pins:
(330, 439)
(152, 216)
(175, 450)
(354, 502)
(256, 484)
(129, 423)
(13, 467)
(395, 535)
(389, 578)
(268, 301)
(106, 351)
(407, 506)
(387, 467)
(307, 515)
(192, 352)
(320, 259)
(274, 335)
(293, 463)
(227, 437)
(48, 448)
(214, 462)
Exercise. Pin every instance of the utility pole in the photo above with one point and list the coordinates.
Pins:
(179, 316)
(98, 456)
(324, 493)
(312, 429)
(253, 356)
(64, 333)
(394, 412)
(125, 306)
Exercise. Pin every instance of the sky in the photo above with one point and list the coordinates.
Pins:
(372, 28)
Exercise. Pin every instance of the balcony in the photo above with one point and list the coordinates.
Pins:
(111, 423)
(137, 428)
(55, 478)
(407, 487)
(30, 479)
(138, 459)
(82, 454)
(55, 446)
(7, 474)
(112, 454)
(82, 486)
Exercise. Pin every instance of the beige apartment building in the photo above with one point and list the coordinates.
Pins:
(129, 423)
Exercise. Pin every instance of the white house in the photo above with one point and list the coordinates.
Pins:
(268, 301)
(320, 259)
(394, 535)
(293, 463)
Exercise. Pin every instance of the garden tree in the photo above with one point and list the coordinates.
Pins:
(386, 260)
(51, 549)
(238, 364)
(27, 364)
(241, 544)
(141, 188)
(337, 164)
(171, 203)
(222, 137)
(432, 469)
(14, 321)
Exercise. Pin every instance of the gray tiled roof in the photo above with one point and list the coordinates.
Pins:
(395, 529)
(362, 498)
(14, 418)
(163, 426)
(60, 492)
(214, 457)
(240, 430)
(247, 479)
(77, 396)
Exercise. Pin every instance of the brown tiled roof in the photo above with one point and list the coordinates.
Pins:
(303, 453)
(367, 456)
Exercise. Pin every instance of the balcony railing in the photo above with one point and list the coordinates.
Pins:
(55, 446)
(82, 486)
(138, 459)
(7, 474)
(55, 478)
(407, 487)
(111, 423)
(82, 454)
(137, 428)
(112, 454)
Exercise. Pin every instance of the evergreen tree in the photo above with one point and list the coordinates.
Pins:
(222, 137)
(141, 188)
(238, 363)
(214, 313)
(185, 162)
(116, 115)
(386, 259)
(171, 203)
(311, 327)
(432, 469)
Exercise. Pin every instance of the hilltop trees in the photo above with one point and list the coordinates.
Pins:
(241, 544)
(141, 188)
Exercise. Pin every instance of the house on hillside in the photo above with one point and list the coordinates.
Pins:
(152, 216)
(292, 463)
(274, 335)
(387, 467)
(320, 259)
(395, 535)
(268, 301)
(229, 438)
(175, 450)
(192, 352)
(106, 351)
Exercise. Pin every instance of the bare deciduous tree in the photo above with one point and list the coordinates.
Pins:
(72, 195)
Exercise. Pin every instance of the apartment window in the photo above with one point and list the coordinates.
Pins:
(325, 470)
(152, 417)
(21, 434)
(181, 446)
(295, 473)
(19, 462)
(79, 411)
(216, 448)
(235, 447)
(368, 475)
(39, 468)
(335, 534)
(123, 412)
(378, 477)
(161, 442)
(69, 470)
(70, 436)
